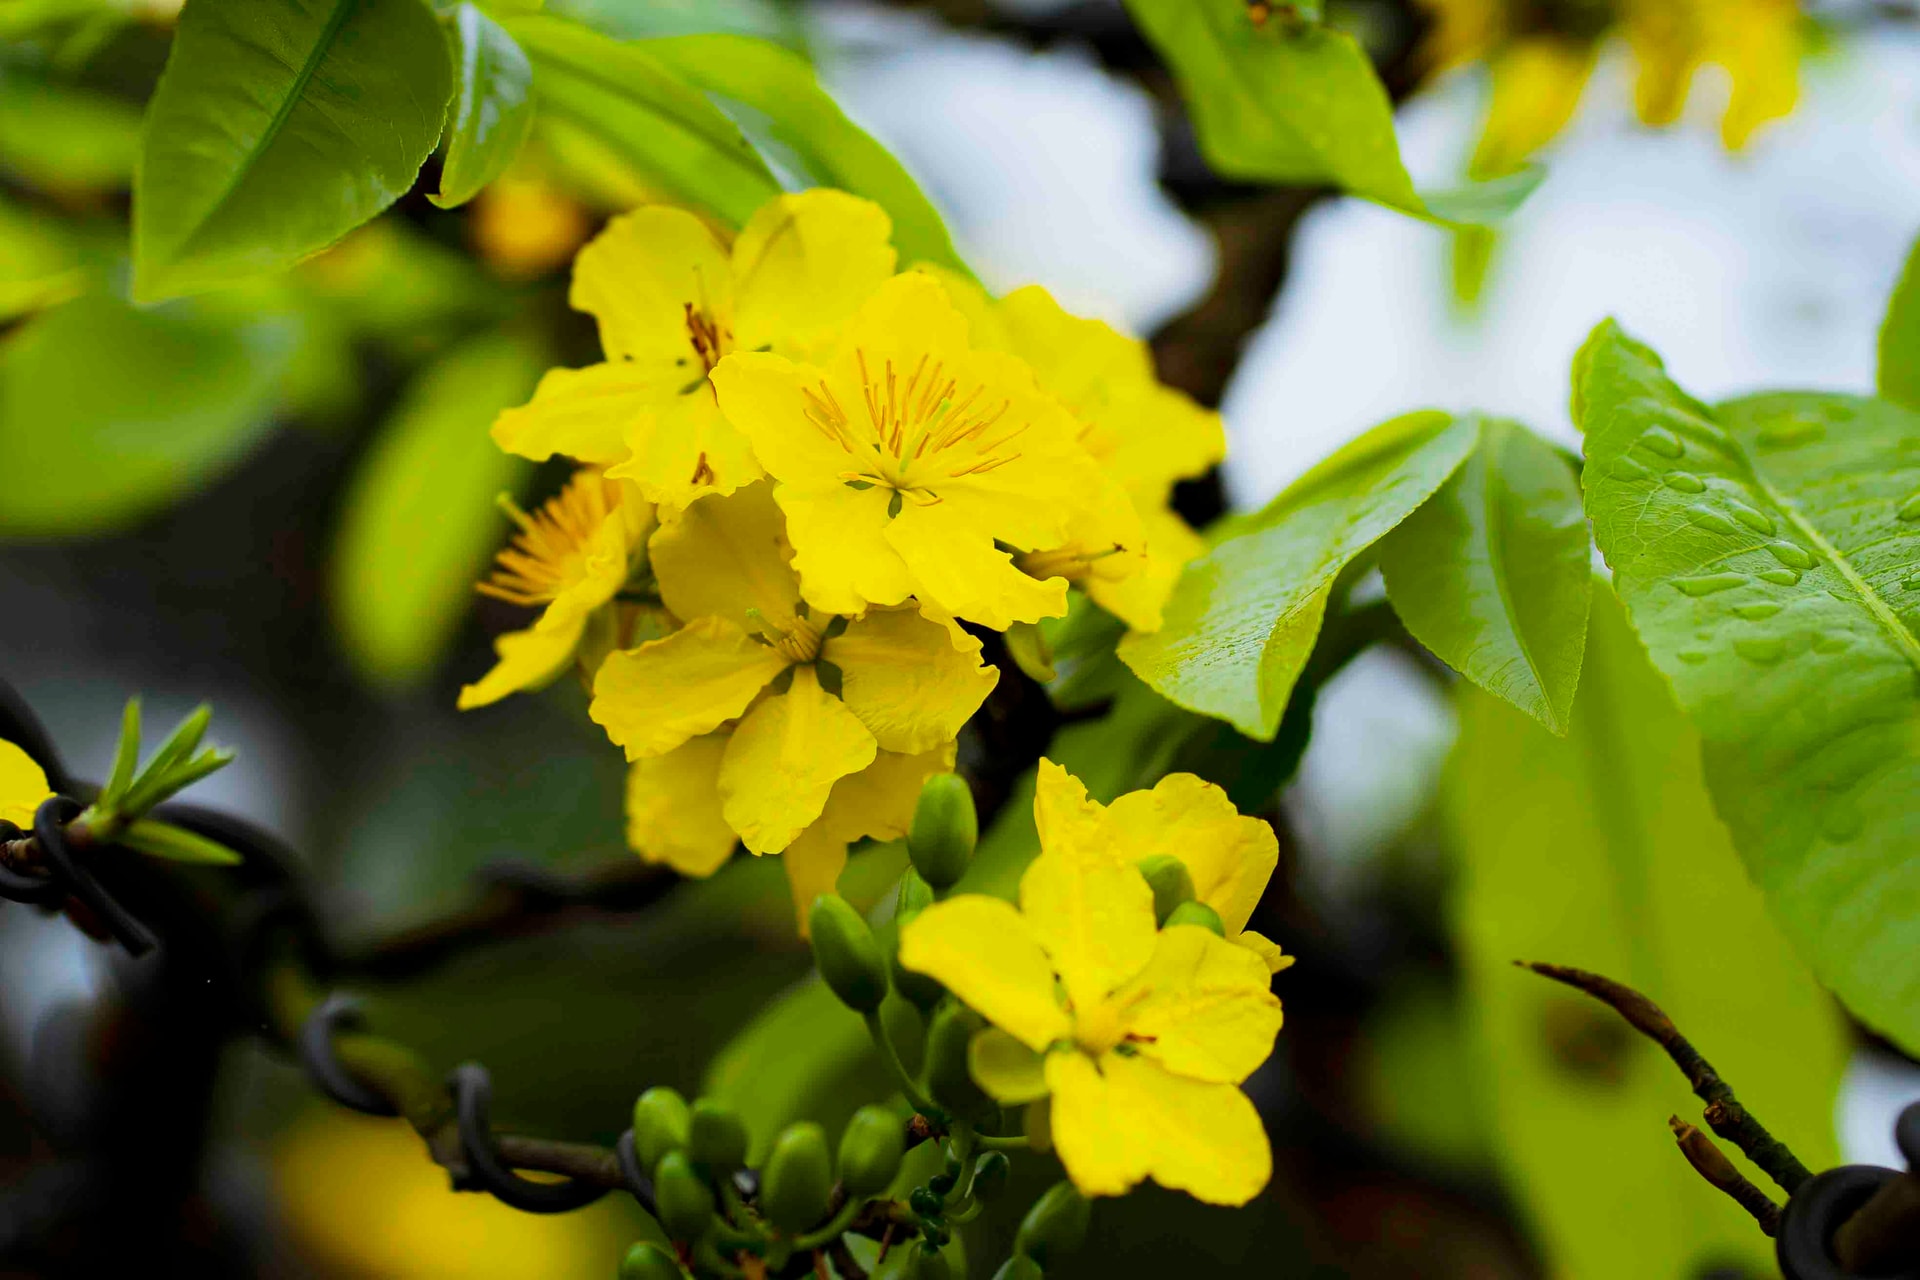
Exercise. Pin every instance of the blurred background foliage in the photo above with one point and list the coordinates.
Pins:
(276, 495)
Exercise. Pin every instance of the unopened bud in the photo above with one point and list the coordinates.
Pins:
(1018, 1268)
(944, 830)
(1056, 1225)
(716, 1137)
(648, 1261)
(681, 1195)
(1197, 913)
(1171, 882)
(927, 1201)
(990, 1175)
(948, 1079)
(871, 1149)
(846, 954)
(659, 1125)
(798, 1179)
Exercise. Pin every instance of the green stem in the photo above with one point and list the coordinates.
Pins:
(1013, 1142)
(921, 1101)
(836, 1225)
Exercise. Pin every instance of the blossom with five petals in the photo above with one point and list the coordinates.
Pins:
(1139, 1037)
(23, 786)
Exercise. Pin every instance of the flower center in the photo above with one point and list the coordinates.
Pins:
(1104, 1027)
(549, 554)
(710, 340)
(1072, 562)
(798, 643)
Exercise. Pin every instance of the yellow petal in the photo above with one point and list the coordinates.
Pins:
(653, 698)
(528, 659)
(840, 549)
(1127, 1118)
(952, 561)
(986, 327)
(684, 448)
(725, 555)
(1063, 812)
(23, 786)
(583, 414)
(1094, 916)
(983, 951)
(1537, 83)
(813, 861)
(879, 801)
(673, 807)
(1266, 948)
(1665, 38)
(908, 679)
(803, 265)
(1759, 45)
(1230, 857)
(785, 757)
(1204, 1007)
(1010, 1072)
(772, 401)
(639, 276)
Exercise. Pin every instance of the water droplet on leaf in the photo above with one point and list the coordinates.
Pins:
(1708, 583)
(1664, 443)
(1707, 518)
(1758, 521)
(1686, 482)
(1755, 612)
(1780, 577)
(1794, 557)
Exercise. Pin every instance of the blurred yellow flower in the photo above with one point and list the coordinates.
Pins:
(1139, 1037)
(573, 556)
(911, 460)
(672, 300)
(23, 786)
(524, 225)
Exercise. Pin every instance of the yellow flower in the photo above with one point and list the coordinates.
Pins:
(911, 459)
(573, 556)
(672, 300)
(524, 225)
(1139, 1037)
(23, 786)
(1230, 856)
(807, 699)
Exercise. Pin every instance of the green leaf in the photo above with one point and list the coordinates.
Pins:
(770, 19)
(1601, 850)
(665, 129)
(778, 84)
(176, 844)
(1900, 338)
(788, 1061)
(492, 107)
(1769, 552)
(1493, 573)
(419, 521)
(108, 412)
(1244, 616)
(63, 138)
(277, 127)
(126, 756)
(41, 261)
(1297, 103)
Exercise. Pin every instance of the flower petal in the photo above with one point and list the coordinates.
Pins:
(1205, 1008)
(583, 414)
(685, 448)
(908, 679)
(725, 555)
(785, 757)
(528, 659)
(1094, 916)
(768, 398)
(653, 698)
(953, 562)
(639, 276)
(840, 549)
(803, 264)
(23, 786)
(673, 807)
(983, 951)
(1103, 1149)
(879, 800)
(1063, 811)
(813, 861)
(1010, 1072)
(1230, 857)
(1266, 948)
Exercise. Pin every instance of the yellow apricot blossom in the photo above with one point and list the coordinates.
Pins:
(672, 300)
(572, 556)
(775, 703)
(23, 786)
(1230, 856)
(911, 460)
(1139, 1036)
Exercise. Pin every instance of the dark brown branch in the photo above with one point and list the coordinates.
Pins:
(843, 1261)
(1712, 1164)
(1723, 1112)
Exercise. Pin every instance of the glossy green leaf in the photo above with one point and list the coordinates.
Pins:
(769, 19)
(1493, 573)
(779, 85)
(277, 127)
(1900, 338)
(492, 107)
(667, 130)
(41, 261)
(177, 844)
(1769, 552)
(419, 522)
(1298, 103)
(61, 137)
(1244, 616)
(108, 412)
(1601, 850)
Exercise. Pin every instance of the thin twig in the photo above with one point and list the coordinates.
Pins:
(1712, 1164)
(1724, 1114)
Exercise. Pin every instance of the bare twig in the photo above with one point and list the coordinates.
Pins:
(1712, 1164)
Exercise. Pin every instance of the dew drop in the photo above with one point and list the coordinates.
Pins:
(1708, 583)
(1831, 641)
(1761, 649)
(1625, 468)
(1664, 443)
(1842, 821)
(1912, 581)
(1707, 518)
(1686, 482)
(1794, 557)
(1694, 656)
(1910, 509)
(1758, 521)
(1780, 577)
(1757, 611)
(1794, 431)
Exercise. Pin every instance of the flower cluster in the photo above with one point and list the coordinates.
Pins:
(803, 473)
(1138, 1027)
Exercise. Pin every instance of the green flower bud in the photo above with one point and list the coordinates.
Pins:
(716, 1137)
(846, 954)
(991, 1174)
(797, 1179)
(916, 895)
(1056, 1225)
(1197, 913)
(942, 1184)
(944, 830)
(946, 1066)
(904, 1025)
(1170, 880)
(648, 1261)
(659, 1125)
(926, 1202)
(871, 1149)
(929, 1263)
(682, 1196)
(1018, 1268)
